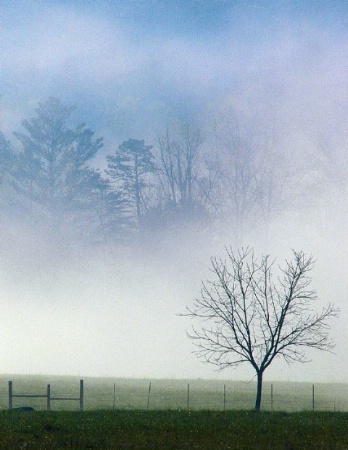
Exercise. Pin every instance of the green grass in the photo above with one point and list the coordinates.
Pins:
(237, 430)
(168, 424)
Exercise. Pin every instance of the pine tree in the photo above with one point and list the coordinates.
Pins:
(130, 169)
(8, 200)
(52, 170)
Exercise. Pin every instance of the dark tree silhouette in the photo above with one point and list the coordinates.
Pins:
(129, 169)
(7, 158)
(255, 318)
(52, 170)
(51, 167)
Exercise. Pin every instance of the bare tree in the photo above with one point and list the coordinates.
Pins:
(252, 172)
(179, 164)
(256, 317)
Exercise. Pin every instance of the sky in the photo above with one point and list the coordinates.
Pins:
(131, 67)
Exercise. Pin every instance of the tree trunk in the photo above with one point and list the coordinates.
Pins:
(259, 391)
(137, 192)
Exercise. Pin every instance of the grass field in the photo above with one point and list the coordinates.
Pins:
(237, 430)
(170, 422)
(132, 394)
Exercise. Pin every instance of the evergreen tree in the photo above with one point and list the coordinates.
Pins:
(8, 200)
(7, 158)
(130, 170)
(106, 210)
(52, 170)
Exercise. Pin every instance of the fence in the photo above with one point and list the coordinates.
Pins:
(164, 394)
(210, 395)
(48, 396)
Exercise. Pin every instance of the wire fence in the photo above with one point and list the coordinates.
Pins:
(198, 395)
(145, 394)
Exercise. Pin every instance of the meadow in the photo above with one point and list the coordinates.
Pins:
(120, 413)
(173, 394)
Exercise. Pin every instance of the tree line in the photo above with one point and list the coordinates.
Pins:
(51, 178)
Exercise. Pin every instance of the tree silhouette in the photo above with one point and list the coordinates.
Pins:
(51, 170)
(130, 169)
(255, 318)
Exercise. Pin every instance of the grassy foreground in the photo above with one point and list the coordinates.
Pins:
(173, 430)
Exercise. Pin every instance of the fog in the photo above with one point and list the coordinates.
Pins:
(277, 69)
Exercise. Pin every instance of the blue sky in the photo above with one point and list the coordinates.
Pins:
(130, 66)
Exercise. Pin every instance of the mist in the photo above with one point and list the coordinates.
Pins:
(275, 72)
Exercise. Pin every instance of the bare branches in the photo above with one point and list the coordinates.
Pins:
(179, 159)
(255, 316)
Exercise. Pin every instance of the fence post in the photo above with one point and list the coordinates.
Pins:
(313, 403)
(148, 397)
(188, 396)
(48, 397)
(10, 403)
(114, 404)
(224, 397)
(271, 397)
(81, 395)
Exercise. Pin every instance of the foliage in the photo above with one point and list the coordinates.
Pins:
(129, 169)
(105, 210)
(55, 181)
(8, 201)
(51, 170)
(7, 158)
(234, 177)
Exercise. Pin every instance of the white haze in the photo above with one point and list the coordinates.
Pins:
(74, 311)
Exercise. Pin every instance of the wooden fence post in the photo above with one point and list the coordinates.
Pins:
(271, 397)
(10, 401)
(81, 395)
(313, 403)
(48, 397)
(188, 396)
(148, 397)
(224, 397)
